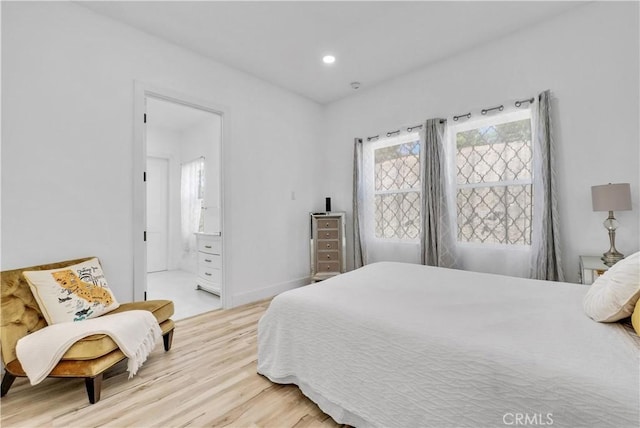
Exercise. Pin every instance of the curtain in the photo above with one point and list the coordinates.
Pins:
(359, 249)
(191, 188)
(545, 242)
(437, 246)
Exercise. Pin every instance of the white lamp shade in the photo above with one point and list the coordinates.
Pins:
(611, 197)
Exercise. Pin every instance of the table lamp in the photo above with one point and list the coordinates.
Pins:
(611, 197)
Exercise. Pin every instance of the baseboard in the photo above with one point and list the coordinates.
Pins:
(266, 292)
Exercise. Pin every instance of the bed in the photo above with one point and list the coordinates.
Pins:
(403, 345)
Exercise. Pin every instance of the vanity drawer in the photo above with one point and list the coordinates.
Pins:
(328, 266)
(327, 223)
(209, 274)
(210, 261)
(210, 246)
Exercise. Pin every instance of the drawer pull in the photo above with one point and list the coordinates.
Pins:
(328, 245)
(327, 225)
(327, 234)
(328, 256)
(207, 273)
(207, 260)
(207, 246)
(328, 267)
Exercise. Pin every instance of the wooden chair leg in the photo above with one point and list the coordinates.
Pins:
(7, 381)
(167, 338)
(94, 387)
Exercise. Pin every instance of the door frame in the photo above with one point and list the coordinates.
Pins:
(142, 91)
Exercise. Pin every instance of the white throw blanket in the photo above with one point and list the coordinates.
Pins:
(135, 332)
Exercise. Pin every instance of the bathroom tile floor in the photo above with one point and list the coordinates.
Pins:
(179, 286)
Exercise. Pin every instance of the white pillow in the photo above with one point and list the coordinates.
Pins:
(614, 294)
(72, 293)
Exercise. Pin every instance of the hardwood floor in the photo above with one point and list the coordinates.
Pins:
(207, 379)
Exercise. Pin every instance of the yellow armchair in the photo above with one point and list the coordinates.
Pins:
(88, 358)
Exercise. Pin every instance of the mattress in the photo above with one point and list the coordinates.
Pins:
(403, 345)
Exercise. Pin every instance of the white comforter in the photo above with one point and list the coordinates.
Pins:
(401, 345)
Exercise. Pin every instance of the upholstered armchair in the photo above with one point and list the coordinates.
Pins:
(88, 358)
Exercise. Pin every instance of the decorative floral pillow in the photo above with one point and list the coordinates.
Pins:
(72, 293)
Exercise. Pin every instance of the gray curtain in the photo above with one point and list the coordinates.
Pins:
(436, 243)
(359, 250)
(545, 262)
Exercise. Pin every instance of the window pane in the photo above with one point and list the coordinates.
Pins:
(397, 167)
(398, 215)
(498, 214)
(494, 153)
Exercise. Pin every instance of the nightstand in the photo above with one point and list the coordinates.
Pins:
(591, 267)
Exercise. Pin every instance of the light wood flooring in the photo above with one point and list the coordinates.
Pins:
(207, 379)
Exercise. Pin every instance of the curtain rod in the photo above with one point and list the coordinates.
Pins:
(484, 111)
(397, 131)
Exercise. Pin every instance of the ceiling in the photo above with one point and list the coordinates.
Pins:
(373, 41)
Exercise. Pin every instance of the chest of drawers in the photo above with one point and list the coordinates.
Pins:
(209, 262)
(328, 254)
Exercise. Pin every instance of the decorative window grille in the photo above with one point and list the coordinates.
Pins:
(396, 187)
(494, 179)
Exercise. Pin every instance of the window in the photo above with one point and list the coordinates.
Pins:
(200, 178)
(494, 179)
(396, 187)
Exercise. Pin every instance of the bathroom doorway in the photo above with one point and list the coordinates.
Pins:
(183, 203)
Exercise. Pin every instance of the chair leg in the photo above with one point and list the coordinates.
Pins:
(7, 381)
(167, 339)
(94, 387)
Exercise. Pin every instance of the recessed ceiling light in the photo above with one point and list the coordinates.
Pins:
(328, 59)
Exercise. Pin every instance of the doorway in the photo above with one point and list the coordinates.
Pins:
(182, 159)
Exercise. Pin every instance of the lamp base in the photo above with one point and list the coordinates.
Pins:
(610, 258)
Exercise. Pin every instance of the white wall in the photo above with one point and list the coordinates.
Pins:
(588, 57)
(67, 186)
